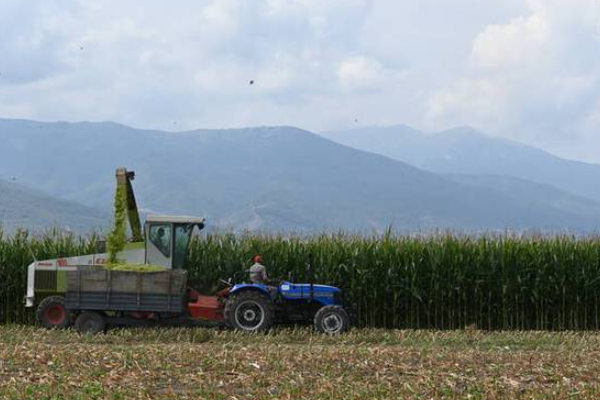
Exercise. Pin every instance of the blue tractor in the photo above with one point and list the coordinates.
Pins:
(257, 307)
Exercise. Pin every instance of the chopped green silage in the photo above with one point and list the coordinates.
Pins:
(134, 267)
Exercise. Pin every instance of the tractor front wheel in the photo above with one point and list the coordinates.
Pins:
(332, 320)
(249, 311)
(52, 313)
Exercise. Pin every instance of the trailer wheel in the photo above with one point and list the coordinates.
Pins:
(249, 311)
(52, 313)
(332, 320)
(90, 322)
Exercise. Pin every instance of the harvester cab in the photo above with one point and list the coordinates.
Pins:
(168, 239)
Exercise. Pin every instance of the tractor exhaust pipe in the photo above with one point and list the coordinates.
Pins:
(311, 275)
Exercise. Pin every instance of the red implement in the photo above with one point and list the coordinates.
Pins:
(207, 308)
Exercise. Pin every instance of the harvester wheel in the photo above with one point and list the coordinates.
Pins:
(332, 320)
(90, 322)
(52, 313)
(249, 311)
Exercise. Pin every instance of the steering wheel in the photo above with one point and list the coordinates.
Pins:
(277, 281)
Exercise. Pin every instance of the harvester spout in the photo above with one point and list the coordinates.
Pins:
(124, 179)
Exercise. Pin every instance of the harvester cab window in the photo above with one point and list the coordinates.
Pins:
(183, 233)
(160, 236)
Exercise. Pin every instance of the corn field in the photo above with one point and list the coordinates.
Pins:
(429, 282)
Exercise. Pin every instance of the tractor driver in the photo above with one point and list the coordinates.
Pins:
(258, 272)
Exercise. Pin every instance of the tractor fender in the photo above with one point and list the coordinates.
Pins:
(263, 289)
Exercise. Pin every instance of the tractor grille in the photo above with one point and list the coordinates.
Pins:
(45, 280)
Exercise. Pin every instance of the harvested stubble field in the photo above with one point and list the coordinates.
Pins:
(296, 364)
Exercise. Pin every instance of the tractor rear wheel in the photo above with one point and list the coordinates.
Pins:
(249, 311)
(90, 322)
(52, 313)
(332, 320)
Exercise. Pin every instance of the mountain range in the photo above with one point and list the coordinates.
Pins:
(468, 151)
(270, 179)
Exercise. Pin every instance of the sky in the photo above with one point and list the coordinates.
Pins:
(527, 70)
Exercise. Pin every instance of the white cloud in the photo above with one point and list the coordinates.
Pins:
(361, 74)
(523, 41)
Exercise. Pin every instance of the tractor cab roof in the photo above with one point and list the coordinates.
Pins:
(175, 219)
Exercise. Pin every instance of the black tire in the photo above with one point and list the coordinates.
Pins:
(332, 320)
(249, 311)
(52, 313)
(90, 322)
